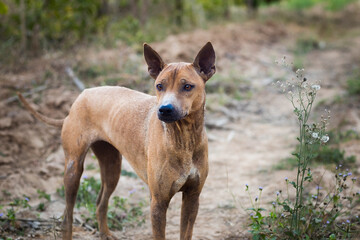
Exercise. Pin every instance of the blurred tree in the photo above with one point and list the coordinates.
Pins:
(144, 11)
(104, 8)
(43, 24)
(253, 5)
(52, 21)
(227, 9)
(134, 5)
(22, 14)
(3, 8)
(179, 11)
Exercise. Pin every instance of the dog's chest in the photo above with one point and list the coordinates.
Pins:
(191, 177)
(181, 137)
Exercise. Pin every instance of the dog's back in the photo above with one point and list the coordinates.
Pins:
(117, 115)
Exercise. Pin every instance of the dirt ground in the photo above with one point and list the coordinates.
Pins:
(247, 136)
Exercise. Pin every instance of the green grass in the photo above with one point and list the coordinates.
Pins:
(307, 44)
(324, 156)
(303, 46)
(331, 5)
(336, 5)
(89, 72)
(353, 84)
(300, 4)
(338, 136)
(226, 86)
(43, 194)
(121, 212)
(8, 220)
(90, 166)
(128, 173)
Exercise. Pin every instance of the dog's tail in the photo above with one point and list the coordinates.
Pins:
(50, 121)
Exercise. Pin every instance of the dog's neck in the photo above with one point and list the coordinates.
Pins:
(186, 133)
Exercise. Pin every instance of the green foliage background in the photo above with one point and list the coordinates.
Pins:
(54, 23)
(332, 5)
(37, 25)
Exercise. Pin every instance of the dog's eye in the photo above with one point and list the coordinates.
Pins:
(159, 87)
(188, 87)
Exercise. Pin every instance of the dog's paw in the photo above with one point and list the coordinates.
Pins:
(108, 237)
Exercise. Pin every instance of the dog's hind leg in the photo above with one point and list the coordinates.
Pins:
(110, 166)
(75, 150)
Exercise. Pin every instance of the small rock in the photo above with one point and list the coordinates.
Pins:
(5, 122)
(37, 142)
(44, 172)
(35, 225)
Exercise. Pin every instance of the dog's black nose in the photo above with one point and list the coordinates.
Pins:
(168, 113)
(166, 110)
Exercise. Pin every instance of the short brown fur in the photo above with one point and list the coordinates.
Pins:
(169, 155)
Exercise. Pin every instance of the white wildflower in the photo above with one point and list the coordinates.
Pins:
(316, 87)
(315, 135)
(325, 138)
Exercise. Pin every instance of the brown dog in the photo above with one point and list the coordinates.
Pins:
(162, 137)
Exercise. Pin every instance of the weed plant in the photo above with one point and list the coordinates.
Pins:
(307, 215)
(329, 154)
(120, 213)
(332, 5)
(353, 84)
(8, 220)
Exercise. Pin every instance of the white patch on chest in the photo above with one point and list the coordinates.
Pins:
(192, 174)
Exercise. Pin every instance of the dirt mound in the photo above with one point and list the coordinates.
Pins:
(233, 42)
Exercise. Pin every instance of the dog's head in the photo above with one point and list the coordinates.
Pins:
(180, 87)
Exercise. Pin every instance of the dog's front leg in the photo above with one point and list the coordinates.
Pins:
(191, 193)
(158, 210)
(160, 183)
(189, 210)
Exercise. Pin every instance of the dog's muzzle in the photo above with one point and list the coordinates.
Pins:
(167, 113)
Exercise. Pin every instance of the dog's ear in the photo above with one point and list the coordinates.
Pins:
(153, 60)
(205, 62)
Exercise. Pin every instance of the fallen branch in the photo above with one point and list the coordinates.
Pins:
(47, 223)
(31, 220)
(79, 84)
(31, 92)
(83, 224)
(42, 222)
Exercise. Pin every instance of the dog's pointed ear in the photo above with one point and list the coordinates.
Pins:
(205, 62)
(153, 60)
